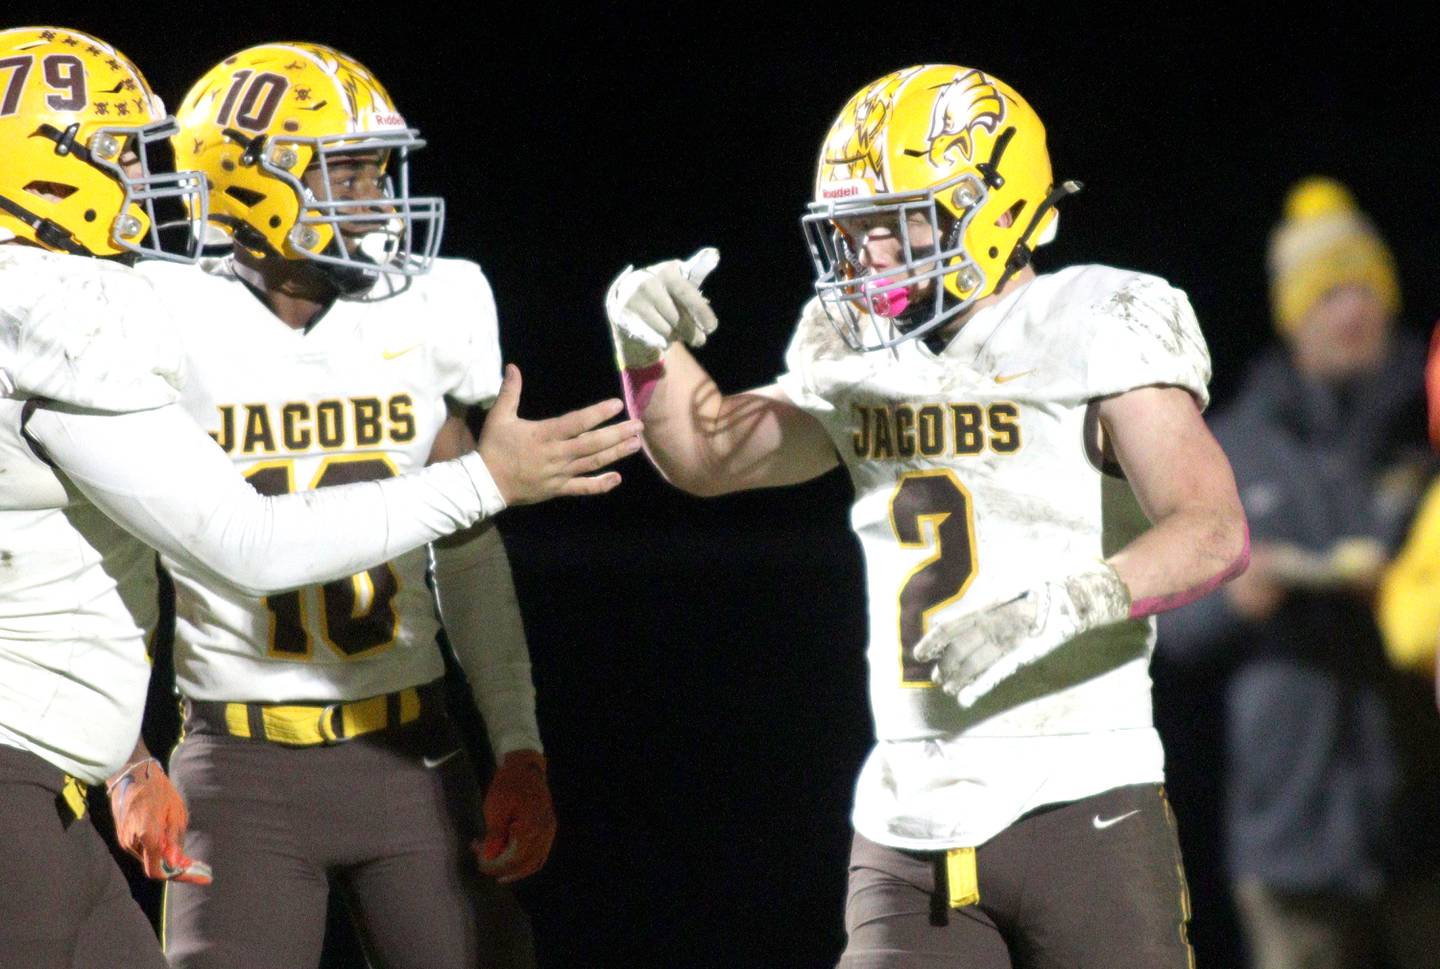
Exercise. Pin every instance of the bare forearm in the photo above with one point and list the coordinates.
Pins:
(1182, 558)
(681, 406)
(707, 443)
(1198, 538)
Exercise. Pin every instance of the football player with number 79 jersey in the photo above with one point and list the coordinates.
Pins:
(333, 345)
(99, 466)
(990, 417)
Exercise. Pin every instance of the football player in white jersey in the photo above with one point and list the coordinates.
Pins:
(332, 345)
(98, 463)
(1010, 813)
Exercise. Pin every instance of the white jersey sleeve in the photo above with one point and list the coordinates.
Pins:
(1143, 333)
(161, 477)
(467, 332)
(85, 332)
(814, 342)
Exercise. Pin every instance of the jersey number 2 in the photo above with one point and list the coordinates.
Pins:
(358, 612)
(931, 509)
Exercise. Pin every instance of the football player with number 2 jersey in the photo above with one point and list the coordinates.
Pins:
(333, 345)
(998, 425)
(98, 465)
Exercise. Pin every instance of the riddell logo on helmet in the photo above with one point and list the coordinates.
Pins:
(390, 120)
(844, 190)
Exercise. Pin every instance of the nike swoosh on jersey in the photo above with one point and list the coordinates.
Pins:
(433, 762)
(392, 354)
(1102, 825)
(1006, 378)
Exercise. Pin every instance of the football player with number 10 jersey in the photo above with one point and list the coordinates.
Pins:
(333, 345)
(1011, 812)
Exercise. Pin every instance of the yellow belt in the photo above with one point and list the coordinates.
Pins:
(311, 726)
(72, 795)
(961, 878)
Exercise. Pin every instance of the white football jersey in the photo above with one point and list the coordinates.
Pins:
(975, 473)
(77, 593)
(359, 396)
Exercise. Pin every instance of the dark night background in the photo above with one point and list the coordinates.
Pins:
(700, 663)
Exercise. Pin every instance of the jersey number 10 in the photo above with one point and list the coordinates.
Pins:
(358, 613)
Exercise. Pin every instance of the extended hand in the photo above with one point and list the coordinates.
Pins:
(519, 819)
(150, 821)
(652, 307)
(533, 461)
(974, 652)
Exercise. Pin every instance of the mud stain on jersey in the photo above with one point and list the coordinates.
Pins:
(7, 559)
(1141, 304)
(1038, 516)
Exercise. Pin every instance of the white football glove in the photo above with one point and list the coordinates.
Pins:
(974, 652)
(650, 308)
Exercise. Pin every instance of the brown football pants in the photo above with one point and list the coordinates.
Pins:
(387, 818)
(1092, 884)
(60, 883)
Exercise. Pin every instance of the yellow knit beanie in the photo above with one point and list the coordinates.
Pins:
(1324, 241)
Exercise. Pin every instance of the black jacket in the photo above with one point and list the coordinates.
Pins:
(1323, 739)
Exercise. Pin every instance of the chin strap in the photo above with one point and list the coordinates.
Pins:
(48, 232)
(346, 280)
(250, 147)
(65, 141)
(990, 170)
(1022, 253)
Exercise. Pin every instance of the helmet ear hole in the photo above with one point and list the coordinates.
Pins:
(52, 191)
(1009, 217)
(246, 197)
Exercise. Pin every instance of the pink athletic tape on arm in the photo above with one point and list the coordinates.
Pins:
(639, 386)
(1141, 608)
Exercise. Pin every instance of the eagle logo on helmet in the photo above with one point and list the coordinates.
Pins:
(969, 102)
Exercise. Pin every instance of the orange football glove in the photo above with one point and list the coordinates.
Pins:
(519, 819)
(150, 822)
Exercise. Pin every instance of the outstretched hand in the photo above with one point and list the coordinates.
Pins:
(534, 461)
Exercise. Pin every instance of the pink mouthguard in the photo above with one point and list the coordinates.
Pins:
(886, 297)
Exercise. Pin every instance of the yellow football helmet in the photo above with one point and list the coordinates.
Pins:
(263, 117)
(951, 145)
(73, 110)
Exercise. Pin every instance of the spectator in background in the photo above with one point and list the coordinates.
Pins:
(1332, 859)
